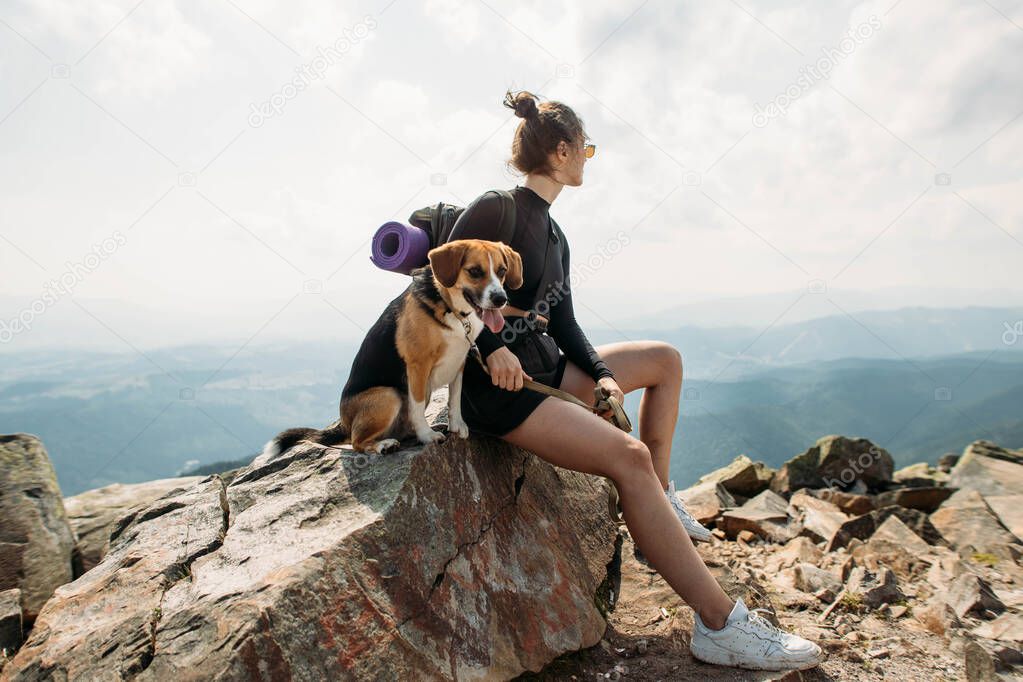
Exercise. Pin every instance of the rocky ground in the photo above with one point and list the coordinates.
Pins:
(907, 596)
(648, 636)
(471, 559)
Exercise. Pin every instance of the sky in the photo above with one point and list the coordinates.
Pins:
(220, 166)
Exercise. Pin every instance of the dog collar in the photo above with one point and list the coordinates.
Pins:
(448, 309)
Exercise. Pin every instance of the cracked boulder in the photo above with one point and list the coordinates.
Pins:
(94, 513)
(989, 469)
(765, 515)
(836, 462)
(36, 542)
(706, 501)
(967, 521)
(459, 560)
(742, 477)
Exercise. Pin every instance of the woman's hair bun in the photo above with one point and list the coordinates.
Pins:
(522, 102)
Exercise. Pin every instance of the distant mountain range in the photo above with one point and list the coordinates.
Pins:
(767, 392)
(905, 333)
(110, 325)
(916, 409)
(813, 302)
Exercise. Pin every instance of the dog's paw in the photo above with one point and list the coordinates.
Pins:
(431, 436)
(459, 427)
(385, 446)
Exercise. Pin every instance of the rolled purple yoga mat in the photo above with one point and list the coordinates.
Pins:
(400, 248)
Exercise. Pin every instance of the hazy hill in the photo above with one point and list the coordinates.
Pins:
(900, 405)
(131, 417)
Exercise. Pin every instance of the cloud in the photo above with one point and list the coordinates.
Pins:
(413, 116)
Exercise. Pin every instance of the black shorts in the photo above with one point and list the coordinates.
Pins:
(495, 411)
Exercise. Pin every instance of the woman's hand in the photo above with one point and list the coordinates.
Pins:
(506, 370)
(612, 386)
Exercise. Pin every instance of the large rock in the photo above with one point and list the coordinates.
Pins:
(979, 664)
(836, 462)
(466, 559)
(819, 519)
(1009, 510)
(36, 542)
(93, 514)
(1008, 627)
(915, 520)
(850, 503)
(765, 515)
(895, 533)
(705, 501)
(989, 469)
(798, 550)
(809, 578)
(10, 621)
(926, 499)
(873, 588)
(742, 477)
(970, 593)
(769, 502)
(896, 546)
(920, 475)
(862, 527)
(966, 520)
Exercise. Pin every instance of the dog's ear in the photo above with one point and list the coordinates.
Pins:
(512, 278)
(446, 261)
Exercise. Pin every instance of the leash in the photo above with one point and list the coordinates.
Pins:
(603, 400)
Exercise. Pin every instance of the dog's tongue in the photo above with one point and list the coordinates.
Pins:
(493, 318)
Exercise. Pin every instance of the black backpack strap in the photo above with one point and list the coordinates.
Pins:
(507, 229)
(438, 220)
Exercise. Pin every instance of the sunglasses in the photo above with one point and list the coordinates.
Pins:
(589, 150)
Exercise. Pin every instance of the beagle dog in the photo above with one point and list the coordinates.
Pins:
(418, 344)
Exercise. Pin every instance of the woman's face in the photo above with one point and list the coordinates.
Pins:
(569, 161)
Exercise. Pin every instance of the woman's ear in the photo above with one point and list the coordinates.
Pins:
(512, 278)
(446, 261)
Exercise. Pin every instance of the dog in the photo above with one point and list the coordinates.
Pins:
(418, 344)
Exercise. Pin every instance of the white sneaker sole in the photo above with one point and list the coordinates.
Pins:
(697, 537)
(721, 656)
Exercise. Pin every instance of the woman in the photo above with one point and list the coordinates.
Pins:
(549, 149)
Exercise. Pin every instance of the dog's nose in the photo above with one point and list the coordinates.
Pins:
(498, 298)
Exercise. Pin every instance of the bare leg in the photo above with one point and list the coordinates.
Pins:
(569, 436)
(655, 366)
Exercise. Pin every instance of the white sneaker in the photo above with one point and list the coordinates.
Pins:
(695, 529)
(750, 641)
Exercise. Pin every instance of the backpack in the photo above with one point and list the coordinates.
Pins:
(438, 221)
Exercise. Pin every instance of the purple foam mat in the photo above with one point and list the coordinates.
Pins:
(400, 248)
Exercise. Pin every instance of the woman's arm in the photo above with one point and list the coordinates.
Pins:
(566, 331)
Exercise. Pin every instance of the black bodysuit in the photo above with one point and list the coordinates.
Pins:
(545, 260)
(545, 289)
